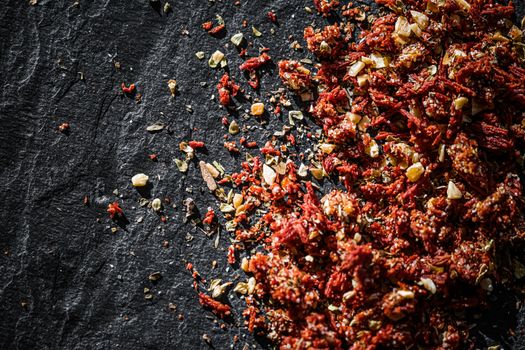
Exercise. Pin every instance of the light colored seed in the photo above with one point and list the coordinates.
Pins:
(415, 171)
(428, 284)
(213, 171)
(356, 68)
(302, 171)
(317, 173)
(441, 153)
(139, 180)
(256, 32)
(402, 27)
(405, 294)
(172, 85)
(207, 177)
(327, 147)
(251, 285)
(226, 208)
(453, 191)
(237, 39)
(372, 149)
(181, 165)
(362, 80)
(237, 200)
(257, 109)
(245, 263)
(234, 128)
(241, 288)
(269, 174)
(460, 102)
(200, 55)
(215, 59)
(420, 18)
(156, 204)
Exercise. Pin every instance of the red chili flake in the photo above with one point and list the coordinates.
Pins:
(223, 181)
(85, 200)
(207, 25)
(231, 146)
(291, 139)
(272, 16)
(231, 255)
(326, 6)
(196, 144)
(153, 157)
(225, 121)
(209, 216)
(189, 266)
(114, 210)
(255, 63)
(227, 88)
(218, 308)
(64, 127)
(128, 90)
(216, 30)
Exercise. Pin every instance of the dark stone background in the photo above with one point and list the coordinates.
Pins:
(67, 281)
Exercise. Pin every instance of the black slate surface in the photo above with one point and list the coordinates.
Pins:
(67, 281)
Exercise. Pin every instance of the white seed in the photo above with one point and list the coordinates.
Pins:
(269, 174)
(156, 204)
(139, 180)
(453, 191)
(251, 285)
(428, 284)
(356, 68)
(237, 39)
(420, 18)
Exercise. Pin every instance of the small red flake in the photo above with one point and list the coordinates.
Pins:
(153, 157)
(272, 16)
(218, 308)
(209, 217)
(126, 89)
(231, 255)
(207, 25)
(114, 210)
(64, 127)
(196, 144)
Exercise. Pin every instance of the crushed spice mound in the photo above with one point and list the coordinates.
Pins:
(423, 125)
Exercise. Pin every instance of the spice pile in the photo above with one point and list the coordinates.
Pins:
(423, 125)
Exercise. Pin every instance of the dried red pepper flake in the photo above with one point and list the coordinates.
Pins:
(153, 157)
(417, 140)
(207, 25)
(127, 89)
(114, 210)
(255, 63)
(64, 127)
(231, 147)
(272, 16)
(218, 308)
(209, 217)
(196, 144)
(217, 30)
(227, 88)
